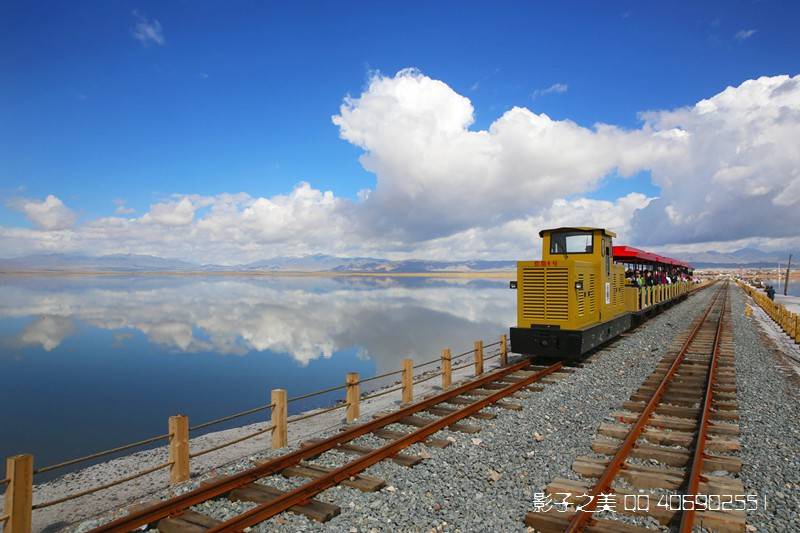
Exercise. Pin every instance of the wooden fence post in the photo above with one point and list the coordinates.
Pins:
(447, 369)
(19, 494)
(797, 328)
(280, 431)
(353, 396)
(503, 350)
(178, 449)
(408, 380)
(478, 358)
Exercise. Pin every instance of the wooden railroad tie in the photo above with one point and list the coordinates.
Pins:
(388, 434)
(418, 421)
(669, 455)
(312, 508)
(669, 438)
(404, 459)
(312, 471)
(187, 522)
(680, 412)
(444, 411)
(679, 424)
(649, 477)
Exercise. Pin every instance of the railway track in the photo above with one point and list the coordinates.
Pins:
(426, 417)
(670, 453)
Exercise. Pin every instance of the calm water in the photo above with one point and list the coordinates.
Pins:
(92, 362)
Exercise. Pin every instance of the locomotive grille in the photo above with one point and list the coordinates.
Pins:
(533, 293)
(557, 301)
(580, 296)
(545, 294)
(590, 294)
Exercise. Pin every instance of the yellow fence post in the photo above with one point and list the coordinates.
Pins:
(408, 380)
(280, 431)
(178, 449)
(447, 369)
(478, 358)
(503, 350)
(353, 396)
(19, 494)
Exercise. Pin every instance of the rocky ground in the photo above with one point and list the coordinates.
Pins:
(487, 481)
(769, 410)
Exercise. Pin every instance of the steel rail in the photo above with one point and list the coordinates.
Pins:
(696, 471)
(312, 488)
(579, 519)
(203, 493)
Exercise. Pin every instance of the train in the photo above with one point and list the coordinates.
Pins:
(584, 292)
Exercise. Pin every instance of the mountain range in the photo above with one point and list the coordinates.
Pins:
(746, 257)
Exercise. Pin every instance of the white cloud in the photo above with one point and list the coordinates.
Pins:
(728, 168)
(557, 88)
(50, 214)
(436, 177)
(738, 174)
(742, 35)
(178, 213)
(147, 31)
(234, 316)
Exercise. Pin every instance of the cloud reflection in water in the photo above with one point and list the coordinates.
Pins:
(384, 319)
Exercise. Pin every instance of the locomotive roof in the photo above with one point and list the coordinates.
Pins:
(579, 228)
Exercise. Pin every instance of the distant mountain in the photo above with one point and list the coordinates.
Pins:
(106, 263)
(746, 257)
(743, 258)
(309, 263)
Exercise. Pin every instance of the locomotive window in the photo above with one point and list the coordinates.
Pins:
(571, 242)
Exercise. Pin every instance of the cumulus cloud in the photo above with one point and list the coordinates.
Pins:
(49, 214)
(436, 177)
(728, 170)
(738, 173)
(177, 213)
(556, 88)
(147, 31)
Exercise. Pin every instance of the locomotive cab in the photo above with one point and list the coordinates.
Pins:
(572, 300)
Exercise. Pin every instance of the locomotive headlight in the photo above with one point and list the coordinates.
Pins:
(578, 285)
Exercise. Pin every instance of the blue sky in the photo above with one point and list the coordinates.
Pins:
(238, 96)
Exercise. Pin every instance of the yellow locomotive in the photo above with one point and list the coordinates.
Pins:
(581, 293)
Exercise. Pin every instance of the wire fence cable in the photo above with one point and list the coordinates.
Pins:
(231, 417)
(232, 442)
(101, 454)
(101, 487)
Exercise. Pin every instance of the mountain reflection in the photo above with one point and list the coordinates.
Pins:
(308, 318)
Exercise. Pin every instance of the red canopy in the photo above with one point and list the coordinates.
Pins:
(629, 254)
